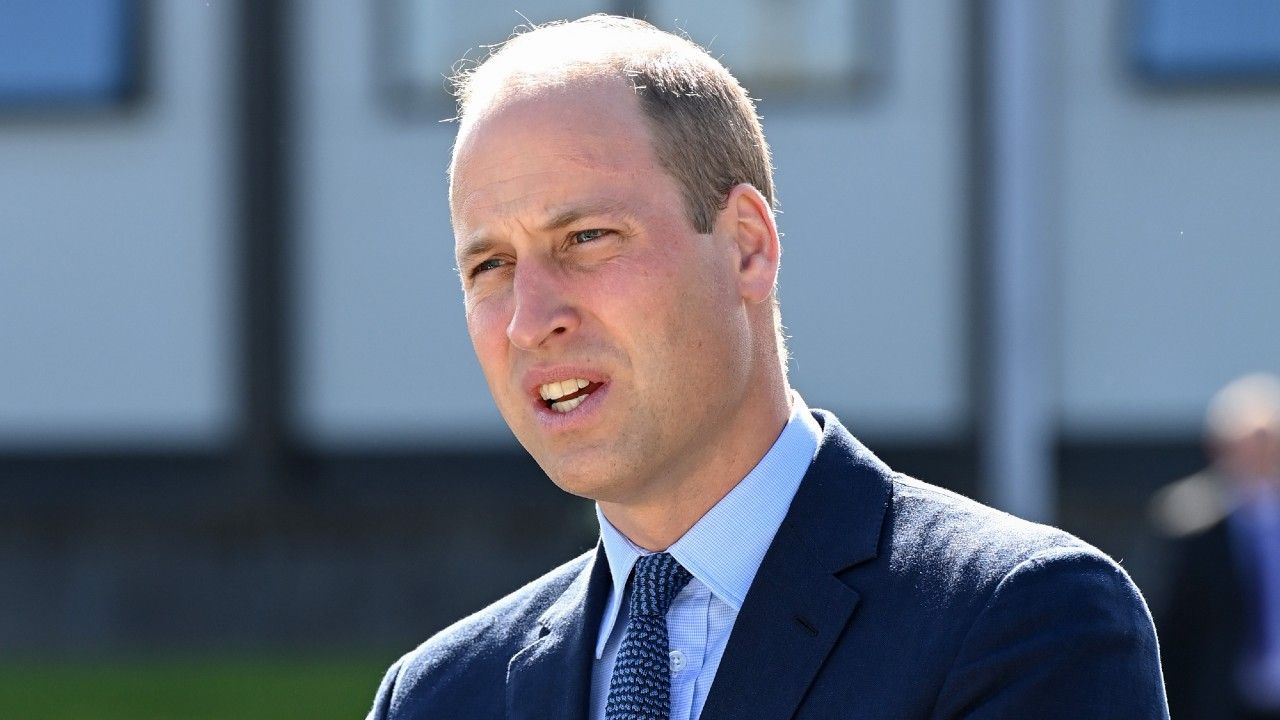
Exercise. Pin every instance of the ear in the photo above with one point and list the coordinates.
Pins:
(756, 237)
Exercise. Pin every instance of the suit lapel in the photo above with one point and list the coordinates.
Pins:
(797, 607)
(550, 677)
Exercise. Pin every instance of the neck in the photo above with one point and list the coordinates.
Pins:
(658, 520)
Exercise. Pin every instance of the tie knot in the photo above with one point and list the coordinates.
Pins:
(658, 579)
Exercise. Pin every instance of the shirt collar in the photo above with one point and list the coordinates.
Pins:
(725, 547)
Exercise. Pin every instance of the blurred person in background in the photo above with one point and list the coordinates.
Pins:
(612, 201)
(1220, 634)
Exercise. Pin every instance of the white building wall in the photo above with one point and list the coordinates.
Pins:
(116, 238)
(1170, 236)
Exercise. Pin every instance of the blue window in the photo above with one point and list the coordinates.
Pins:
(1208, 40)
(67, 52)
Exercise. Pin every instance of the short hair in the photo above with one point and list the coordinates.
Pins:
(706, 132)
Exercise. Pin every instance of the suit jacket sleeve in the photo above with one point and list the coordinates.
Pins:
(1065, 634)
(382, 701)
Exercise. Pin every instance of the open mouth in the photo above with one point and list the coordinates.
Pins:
(564, 396)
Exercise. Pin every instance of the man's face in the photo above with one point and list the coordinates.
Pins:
(1253, 456)
(612, 335)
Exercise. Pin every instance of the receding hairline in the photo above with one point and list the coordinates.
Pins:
(540, 55)
(475, 126)
(682, 91)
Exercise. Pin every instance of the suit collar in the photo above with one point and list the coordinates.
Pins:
(798, 607)
(792, 616)
(724, 548)
(552, 672)
(842, 501)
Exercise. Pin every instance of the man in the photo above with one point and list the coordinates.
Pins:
(1221, 626)
(612, 204)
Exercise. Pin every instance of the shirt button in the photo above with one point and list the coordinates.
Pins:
(677, 661)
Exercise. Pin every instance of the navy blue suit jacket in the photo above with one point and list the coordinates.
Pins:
(880, 597)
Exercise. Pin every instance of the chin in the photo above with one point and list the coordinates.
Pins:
(586, 478)
(577, 480)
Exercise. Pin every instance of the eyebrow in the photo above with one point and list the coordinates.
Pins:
(481, 244)
(567, 216)
(473, 248)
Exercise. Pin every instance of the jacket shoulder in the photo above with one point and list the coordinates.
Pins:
(1026, 601)
(967, 537)
(465, 664)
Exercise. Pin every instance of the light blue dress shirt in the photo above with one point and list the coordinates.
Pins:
(722, 551)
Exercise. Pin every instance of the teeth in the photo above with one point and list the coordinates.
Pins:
(558, 389)
(555, 390)
(567, 405)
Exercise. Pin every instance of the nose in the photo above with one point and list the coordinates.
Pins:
(542, 308)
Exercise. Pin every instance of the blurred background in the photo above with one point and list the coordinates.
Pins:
(247, 458)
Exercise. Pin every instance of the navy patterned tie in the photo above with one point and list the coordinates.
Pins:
(640, 688)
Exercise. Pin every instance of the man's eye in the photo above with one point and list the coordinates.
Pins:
(490, 264)
(585, 236)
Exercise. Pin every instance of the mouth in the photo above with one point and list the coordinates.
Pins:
(564, 396)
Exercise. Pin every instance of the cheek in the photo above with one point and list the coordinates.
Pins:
(708, 317)
(487, 326)
(682, 316)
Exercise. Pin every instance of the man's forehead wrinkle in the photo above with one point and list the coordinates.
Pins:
(522, 195)
(598, 149)
(565, 214)
(510, 188)
(605, 155)
(473, 202)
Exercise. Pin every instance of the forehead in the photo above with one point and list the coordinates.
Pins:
(548, 146)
